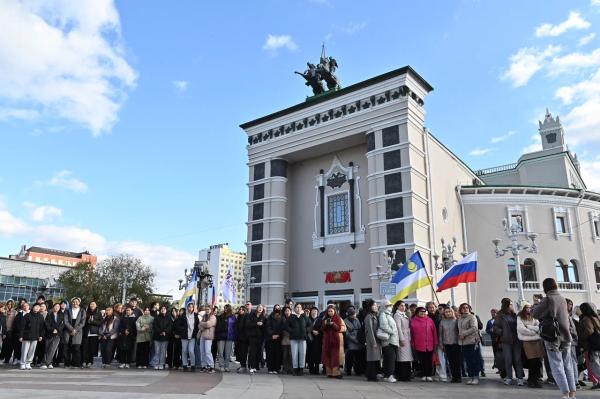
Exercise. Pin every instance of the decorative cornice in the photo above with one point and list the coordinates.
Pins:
(352, 108)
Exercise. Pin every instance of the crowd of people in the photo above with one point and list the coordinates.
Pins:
(380, 341)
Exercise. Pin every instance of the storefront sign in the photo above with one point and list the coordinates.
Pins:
(342, 276)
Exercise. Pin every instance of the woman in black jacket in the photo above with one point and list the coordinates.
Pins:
(274, 334)
(126, 340)
(93, 320)
(255, 327)
(314, 343)
(162, 330)
(30, 333)
(299, 327)
(174, 345)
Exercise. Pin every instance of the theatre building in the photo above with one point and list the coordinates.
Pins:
(340, 181)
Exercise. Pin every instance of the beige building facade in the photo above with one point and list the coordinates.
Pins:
(344, 180)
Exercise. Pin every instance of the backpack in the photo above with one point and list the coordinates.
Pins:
(594, 338)
(549, 330)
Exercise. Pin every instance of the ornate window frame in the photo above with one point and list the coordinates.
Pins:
(562, 212)
(330, 183)
(519, 210)
(595, 225)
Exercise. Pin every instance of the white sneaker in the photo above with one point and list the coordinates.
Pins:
(121, 366)
(424, 379)
(507, 381)
(28, 366)
(475, 381)
(252, 371)
(126, 365)
(162, 367)
(391, 379)
(22, 367)
(43, 367)
(50, 366)
(429, 379)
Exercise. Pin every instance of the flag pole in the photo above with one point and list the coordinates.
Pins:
(430, 278)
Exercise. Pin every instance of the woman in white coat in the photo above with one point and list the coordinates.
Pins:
(404, 358)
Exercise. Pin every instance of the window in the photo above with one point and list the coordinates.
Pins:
(390, 136)
(259, 192)
(338, 214)
(370, 142)
(528, 272)
(393, 183)
(551, 138)
(258, 211)
(279, 168)
(259, 171)
(566, 273)
(560, 225)
(516, 219)
(395, 233)
(394, 208)
(256, 252)
(257, 232)
(391, 160)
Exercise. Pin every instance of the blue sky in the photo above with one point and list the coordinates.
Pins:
(119, 121)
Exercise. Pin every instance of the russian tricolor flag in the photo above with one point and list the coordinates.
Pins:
(464, 271)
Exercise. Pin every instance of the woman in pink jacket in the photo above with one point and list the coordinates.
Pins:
(424, 339)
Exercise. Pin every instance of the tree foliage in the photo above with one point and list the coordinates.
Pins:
(105, 282)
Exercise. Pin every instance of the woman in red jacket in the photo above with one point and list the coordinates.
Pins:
(424, 340)
(333, 342)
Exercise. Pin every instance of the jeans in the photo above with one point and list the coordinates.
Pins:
(160, 353)
(512, 358)
(51, 347)
(206, 353)
(471, 356)
(562, 366)
(198, 352)
(298, 353)
(188, 357)
(27, 351)
(224, 353)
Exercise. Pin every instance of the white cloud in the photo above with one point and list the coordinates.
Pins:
(42, 213)
(64, 59)
(477, 152)
(574, 22)
(573, 62)
(590, 172)
(536, 145)
(181, 85)
(595, 2)
(275, 42)
(64, 179)
(352, 27)
(526, 62)
(18, 113)
(504, 137)
(10, 224)
(586, 39)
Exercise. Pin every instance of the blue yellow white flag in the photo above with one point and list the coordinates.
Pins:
(410, 277)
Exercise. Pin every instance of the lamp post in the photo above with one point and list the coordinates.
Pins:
(385, 272)
(203, 280)
(447, 262)
(244, 282)
(514, 248)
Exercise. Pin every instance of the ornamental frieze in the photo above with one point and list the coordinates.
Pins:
(335, 113)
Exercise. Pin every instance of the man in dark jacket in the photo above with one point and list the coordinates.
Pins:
(550, 311)
(30, 333)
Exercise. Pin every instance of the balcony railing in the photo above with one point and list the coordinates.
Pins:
(527, 285)
(570, 286)
(496, 169)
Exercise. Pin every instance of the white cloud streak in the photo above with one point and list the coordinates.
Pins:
(477, 152)
(586, 39)
(504, 137)
(275, 42)
(527, 62)
(64, 59)
(181, 85)
(42, 213)
(65, 179)
(574, 22)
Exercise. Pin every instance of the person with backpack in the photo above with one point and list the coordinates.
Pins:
(589, 338)
(554, 318)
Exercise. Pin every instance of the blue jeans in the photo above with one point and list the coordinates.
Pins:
(512, 358)
(224, 353)
(187, 351)
(298, 353)
(198, 353)
(206, 353)
(561, 365)
(160, 353)
(471, 356)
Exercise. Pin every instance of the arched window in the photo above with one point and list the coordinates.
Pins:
(566, 272)
(528, 272)
(572, 272)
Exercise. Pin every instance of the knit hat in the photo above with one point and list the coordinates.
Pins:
(385, 302)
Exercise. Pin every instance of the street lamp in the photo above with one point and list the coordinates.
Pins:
(385, 272)
(512, 233)
(244, 282)
(447, 261)
(203, 280)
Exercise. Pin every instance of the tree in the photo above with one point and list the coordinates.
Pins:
(119, 270)
(104, 283)
(81, 281)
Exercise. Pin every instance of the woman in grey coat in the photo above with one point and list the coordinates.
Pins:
(373, 344)
(73, 333)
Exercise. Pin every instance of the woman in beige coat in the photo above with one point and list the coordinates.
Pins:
(468, 340)
(404, 357)
(208, 323)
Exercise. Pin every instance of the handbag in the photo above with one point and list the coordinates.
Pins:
(549, 330)
(382, 335)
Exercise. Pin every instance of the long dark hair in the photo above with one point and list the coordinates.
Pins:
(587, 310)
(396, 306)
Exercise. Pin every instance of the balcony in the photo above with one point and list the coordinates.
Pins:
(570, 286)
(527, 285)
(496, 169)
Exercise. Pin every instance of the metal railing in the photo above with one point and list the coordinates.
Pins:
(496, 169)
(527, 285)
(570, 286)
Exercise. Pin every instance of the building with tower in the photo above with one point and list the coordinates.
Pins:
(349, 178)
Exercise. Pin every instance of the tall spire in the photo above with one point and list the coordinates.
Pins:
(551, 132)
